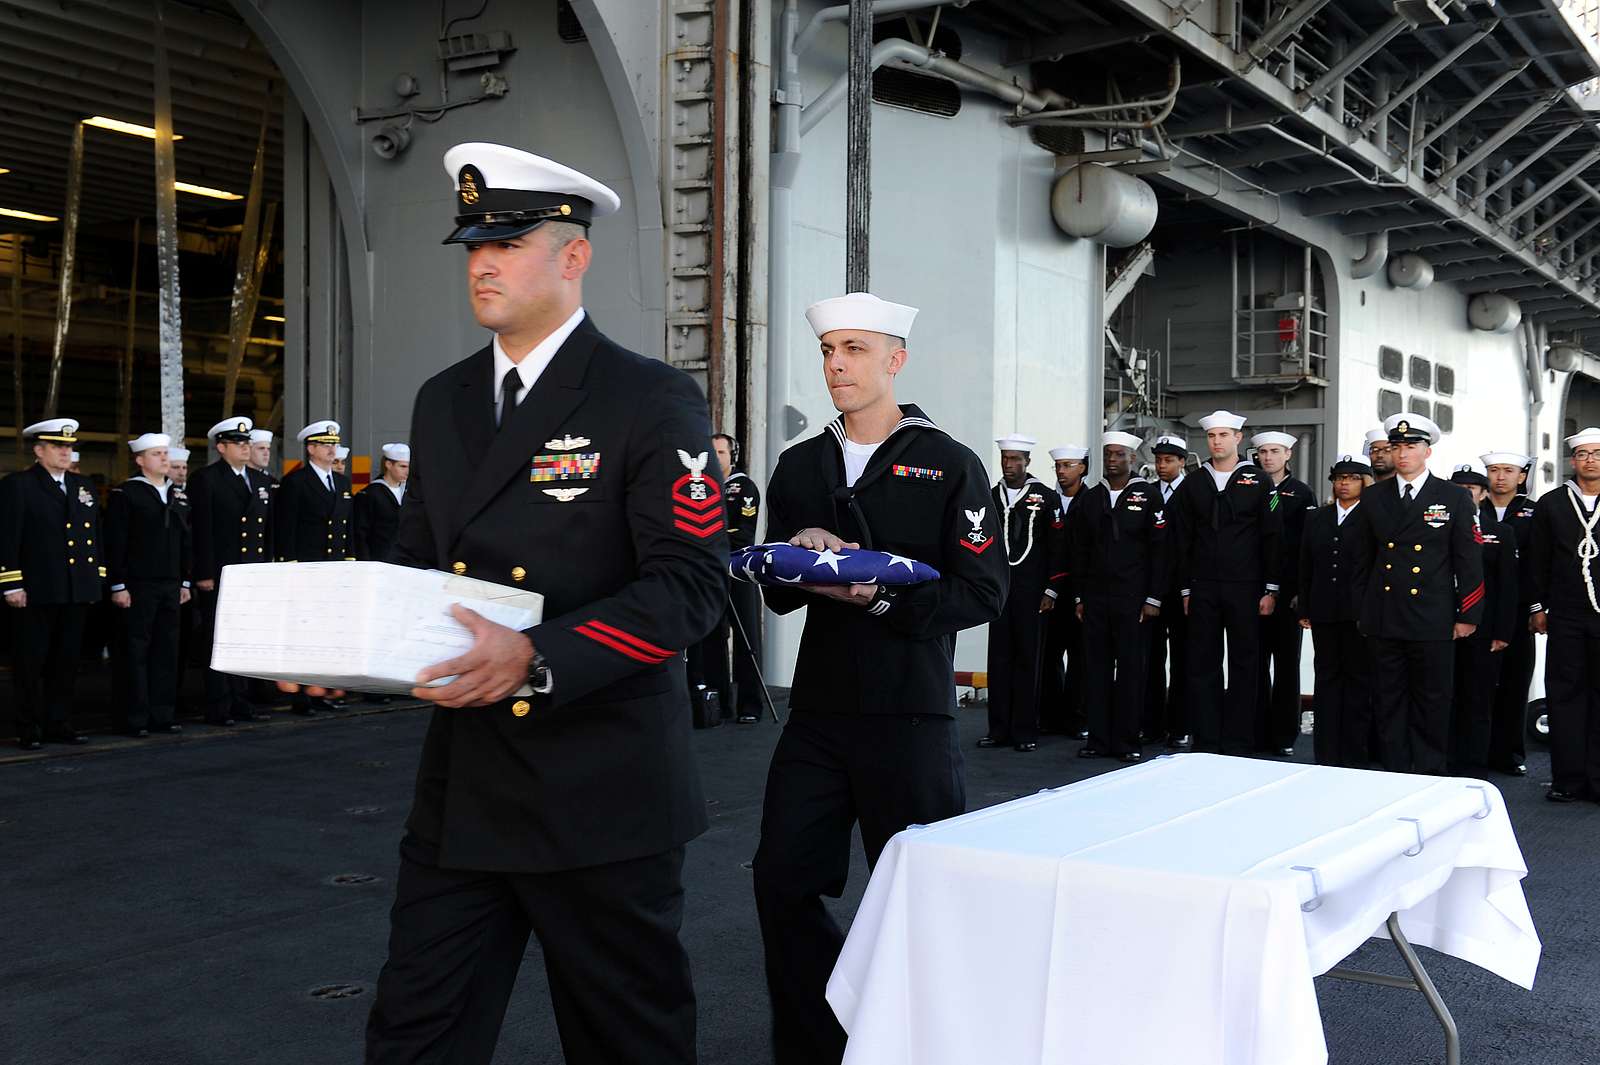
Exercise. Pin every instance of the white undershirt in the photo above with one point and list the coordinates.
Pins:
(396, 490)
(1013, 494)
(1116, 494)
(1220, 477)
(161, 489)
(1342, 512)
(1500, 513)
(856, 457)
(534, 362)
(1066, 501)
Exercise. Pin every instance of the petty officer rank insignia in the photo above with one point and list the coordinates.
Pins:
(1436, 516)
(975, 540)
(696, 498)
(1248, 479)
(917, 473)
(573, 466)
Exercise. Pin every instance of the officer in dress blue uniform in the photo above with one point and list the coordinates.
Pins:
(1420, 564)
(557, 460)
(871, 738)
(1231, 562)
(377, 507)
(1117, 554)
(231, 519)
(1479, 657)
(51, 572)
(708, 659)
(1565, 570)
(1061, 705)
(1278, 707)
(1166, 716)
(1507, 472)
(1329, 604)
(1035, 547)
(147, 561)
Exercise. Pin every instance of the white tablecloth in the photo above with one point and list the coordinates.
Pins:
(1155, 915)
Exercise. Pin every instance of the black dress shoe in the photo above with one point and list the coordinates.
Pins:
(1557, 795)
(170, 730)
(1286, 752)
(258, 716)
(1083, 734)
(30, 745)
(988, 741)
(1131, 757)
(69, 739)
(138, 733)
(220, 722)
(1516, 769)
(749, 719)
(1025, 747)
(1090, 752)
(1179, 743)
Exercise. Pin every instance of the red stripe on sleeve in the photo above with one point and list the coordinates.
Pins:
(630, 638)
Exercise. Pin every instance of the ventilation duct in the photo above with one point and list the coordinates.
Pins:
(1376, 255)
(1410, 270)
(1103, 205)
(1493, 312)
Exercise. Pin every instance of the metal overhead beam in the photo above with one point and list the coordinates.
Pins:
(1457, 270)
(1310, 178)
(1437, 237)
(1382, 112)
(1496, 139)
(1272, 151)
(1467, 108)
(17, 84)
(1082, 37)
(1467, 255)
(1560, 249)
(1356, 226)
(1551, 187)
(1554, 220)
(1288, 24)
(1227, 119)
(1357, 55)
(198, 79)
(1527, 161)
(1356, 201)
(136, 29)
(46, 135)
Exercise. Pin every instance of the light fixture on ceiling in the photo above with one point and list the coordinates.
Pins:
(130, 128)
(201, 190)
(5, 170)
(274, 317)
(27, 216)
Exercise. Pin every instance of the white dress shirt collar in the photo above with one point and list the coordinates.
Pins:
(1342, 512)
(1416, 485)
(534, 362)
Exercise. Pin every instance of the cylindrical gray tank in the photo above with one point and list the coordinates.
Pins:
(1493, 312)
(1410, 270)
(1102, 205)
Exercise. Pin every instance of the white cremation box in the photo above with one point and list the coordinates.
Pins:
(362, 626)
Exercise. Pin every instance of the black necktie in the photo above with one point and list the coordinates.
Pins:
(1406, 496)
(510, 385)
(63, 485)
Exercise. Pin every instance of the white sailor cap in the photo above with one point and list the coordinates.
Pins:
(1074, 454)
(178, 454)
(234, 430)
(504, 192)
(148, 441)
(1222, 419)
(1413, 428)
(1506, 458)
(861, 310)
(341, 452)
(1274, 437)
(54, 431)
(1591, 435)
(1119, 439)
(323, 432)
(261, 436)
(1015, 442)
(397, 452)
(1374, 436)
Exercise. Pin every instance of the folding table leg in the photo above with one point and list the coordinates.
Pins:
(1420, 981)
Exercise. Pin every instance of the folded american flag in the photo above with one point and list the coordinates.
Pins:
(787, 564)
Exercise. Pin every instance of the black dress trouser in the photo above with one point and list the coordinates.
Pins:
(708, 659)
(1472, 716)
(1507, 730)
(1016, 640)
(1115, 640)
(1224, 723)
(1278, 701)
(227, 696)
(1166, 704)
(1342, 698)
(1415, 681)
(829, 773)
(1572, 699)
(1061, 705)
(147, 654)
(619, 977)
(45, 643)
